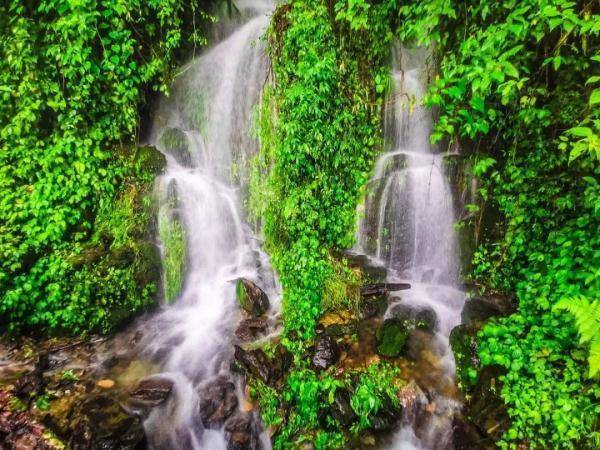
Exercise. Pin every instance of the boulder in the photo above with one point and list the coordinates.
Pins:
(326, 353)
(100, 422)
(391, 338)
(372, 271)
(415, 317)
(256, 363)
(251, 298)
(150, 159)
(464, 344)
(218, 401)
(175, 142)
(151, 392)
(249, 329)
(486, 408)
(483, 307)
(242, 432)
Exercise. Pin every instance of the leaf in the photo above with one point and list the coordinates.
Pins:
(511, 70)
(595, 97)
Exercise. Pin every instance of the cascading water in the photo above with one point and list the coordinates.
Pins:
(408, 225)
(204, 129)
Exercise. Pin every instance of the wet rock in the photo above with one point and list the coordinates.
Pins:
(465, 436)
(175, 142)
(281, 362)
(218, 401)
(483, 307)
(99, 422)
(382, 288)
(18, 429)
(326, 353)
(149, 264)
(249, 329)
(32, 383)
(340, 409)
(150, 159)
(372, 271)
(464, 344)
(251, 298)
(415, 317)
(242, 432)
(391, 338)
(387, 417)
(373, 306)
(152, 391)
(255, 362)
(418, 344)
(337, 323)
(486, 409)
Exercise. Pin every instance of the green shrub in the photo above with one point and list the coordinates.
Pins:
(72, 76)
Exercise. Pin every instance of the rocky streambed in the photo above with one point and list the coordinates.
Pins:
(96, 392)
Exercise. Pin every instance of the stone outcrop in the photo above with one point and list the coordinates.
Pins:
(251, 298)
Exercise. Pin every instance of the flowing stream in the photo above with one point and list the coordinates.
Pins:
(203, 127)
(408, 226)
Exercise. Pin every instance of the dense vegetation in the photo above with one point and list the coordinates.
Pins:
(72, 77)
(319, 128)
(515, 87)
(516, 91)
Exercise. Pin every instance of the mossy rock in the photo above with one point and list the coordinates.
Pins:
(149, 264)
(150, 160)
(175, 142)
(414, 317)
(465, 344)
(391, 338)
(251, 298)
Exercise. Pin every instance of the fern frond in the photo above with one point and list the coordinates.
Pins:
(586, 313)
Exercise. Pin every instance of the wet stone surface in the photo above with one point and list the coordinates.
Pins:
(218, 401)
(326, 353)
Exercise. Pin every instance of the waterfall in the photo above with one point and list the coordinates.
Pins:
(408, 225)
(203, 127)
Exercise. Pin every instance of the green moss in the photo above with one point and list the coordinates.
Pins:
(391, 338)
(173, 240)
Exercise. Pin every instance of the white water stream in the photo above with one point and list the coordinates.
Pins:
(408, 225)
(210, 105)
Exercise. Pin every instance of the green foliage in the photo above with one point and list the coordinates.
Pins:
(587, 320)
(72, 75)
(268, 399)
(69, 375)
(173, 241)
(514, 85)
(377, 386)
(311, 396)
(318, 131)
(341, 290)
